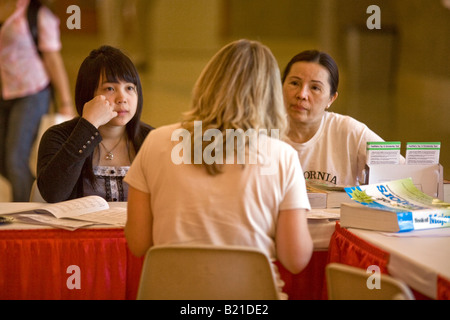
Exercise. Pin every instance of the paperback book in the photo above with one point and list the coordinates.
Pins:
(394, 206)
(323, 196)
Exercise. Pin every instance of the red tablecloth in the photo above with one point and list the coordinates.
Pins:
(34, 264)
(443, 289)
(347, 248)
(308, 284)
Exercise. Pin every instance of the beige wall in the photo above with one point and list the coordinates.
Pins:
(396, 80)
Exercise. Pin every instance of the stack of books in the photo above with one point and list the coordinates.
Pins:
(322, 196)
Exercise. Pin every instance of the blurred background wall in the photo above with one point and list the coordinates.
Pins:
(395, 79)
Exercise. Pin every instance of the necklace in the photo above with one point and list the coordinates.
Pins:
(109, 155)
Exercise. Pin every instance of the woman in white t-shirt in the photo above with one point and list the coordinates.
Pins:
(187, 187)
(331, 147)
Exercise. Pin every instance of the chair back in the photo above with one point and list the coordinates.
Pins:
(349, 283)
(206, 273)
(5, 190)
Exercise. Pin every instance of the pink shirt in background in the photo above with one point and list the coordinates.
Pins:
(22, 70)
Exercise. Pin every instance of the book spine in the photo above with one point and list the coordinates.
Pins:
(423, 219)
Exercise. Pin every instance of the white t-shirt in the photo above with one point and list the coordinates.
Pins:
(237, 207)
(336, 154)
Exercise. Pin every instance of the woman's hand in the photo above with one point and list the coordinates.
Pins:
(99, 111)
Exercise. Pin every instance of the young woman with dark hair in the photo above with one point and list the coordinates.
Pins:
(91, 154)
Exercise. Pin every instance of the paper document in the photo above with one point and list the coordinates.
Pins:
(423, 152)
(323, 214)
(114, 216)
(383, 152)
(73, 214)
(76, 207)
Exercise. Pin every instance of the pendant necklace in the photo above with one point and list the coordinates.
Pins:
(109, 155)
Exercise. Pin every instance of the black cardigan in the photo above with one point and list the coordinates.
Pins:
(63, 151)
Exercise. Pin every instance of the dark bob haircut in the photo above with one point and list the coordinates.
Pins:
(321, 58)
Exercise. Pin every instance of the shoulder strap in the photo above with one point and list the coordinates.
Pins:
(32, 15)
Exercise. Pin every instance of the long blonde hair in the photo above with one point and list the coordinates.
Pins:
(240, 88)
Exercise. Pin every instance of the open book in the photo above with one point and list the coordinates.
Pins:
(394, 206)
(74, 214)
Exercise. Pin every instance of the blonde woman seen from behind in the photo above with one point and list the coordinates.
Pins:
(188, 186)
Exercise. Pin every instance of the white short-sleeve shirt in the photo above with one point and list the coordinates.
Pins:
(336, 154)
(237, 207)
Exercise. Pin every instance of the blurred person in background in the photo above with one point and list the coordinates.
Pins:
(31, 67)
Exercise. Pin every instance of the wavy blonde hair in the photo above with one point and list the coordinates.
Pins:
(240, 88)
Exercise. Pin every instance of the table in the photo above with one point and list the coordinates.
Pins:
(419, 259)
(310, 283)
(36, 262)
